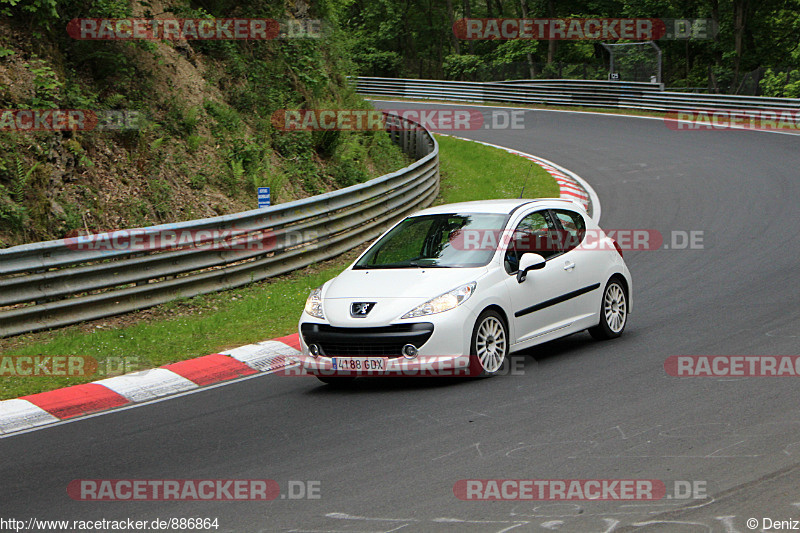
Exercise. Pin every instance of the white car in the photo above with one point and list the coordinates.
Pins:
(460, 286)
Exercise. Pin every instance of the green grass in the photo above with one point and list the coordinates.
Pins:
(205, 324)
(473, 171)
(215, 322)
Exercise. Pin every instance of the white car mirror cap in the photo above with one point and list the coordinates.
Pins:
(529, 261)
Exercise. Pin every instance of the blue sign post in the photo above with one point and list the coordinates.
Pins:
(263, 197)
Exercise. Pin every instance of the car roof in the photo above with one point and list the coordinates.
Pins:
(504, 207)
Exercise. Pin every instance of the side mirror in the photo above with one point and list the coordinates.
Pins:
(529, 261)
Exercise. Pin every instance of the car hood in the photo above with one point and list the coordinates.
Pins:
(399, 282)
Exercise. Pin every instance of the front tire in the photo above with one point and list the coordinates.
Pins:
(489, 346)
(613, 312)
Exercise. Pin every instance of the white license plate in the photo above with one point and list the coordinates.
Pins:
(360, 364)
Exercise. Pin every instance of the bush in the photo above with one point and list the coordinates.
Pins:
(462, 67)
(224, 115)
(781, 84)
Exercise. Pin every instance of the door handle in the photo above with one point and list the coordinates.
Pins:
(569, 265)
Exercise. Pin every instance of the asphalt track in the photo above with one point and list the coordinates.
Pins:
(386, 453)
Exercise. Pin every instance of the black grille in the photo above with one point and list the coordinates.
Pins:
(384, 341)
(364, 350)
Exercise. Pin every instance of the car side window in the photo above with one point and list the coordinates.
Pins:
(574, 228)
(535, 233)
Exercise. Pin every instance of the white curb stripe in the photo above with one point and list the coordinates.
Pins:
(263, 356)
(21, 416)
(567, 186)
(148, 384)
(17, 415)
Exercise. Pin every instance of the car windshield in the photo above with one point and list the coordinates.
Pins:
(437, 241)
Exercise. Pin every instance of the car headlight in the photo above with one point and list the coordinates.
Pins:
(314, 303)
(443, 302)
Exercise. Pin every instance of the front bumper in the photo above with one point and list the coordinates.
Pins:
(420, 366)
(441, 334)
(385, 341)
(442, 341)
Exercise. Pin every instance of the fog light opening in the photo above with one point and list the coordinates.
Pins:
(314, 350)
(409, 351)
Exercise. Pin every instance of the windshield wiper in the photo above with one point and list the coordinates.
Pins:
(411, 264)
(432, 265)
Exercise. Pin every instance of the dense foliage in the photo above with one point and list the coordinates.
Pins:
(757, 40)
(207, 139)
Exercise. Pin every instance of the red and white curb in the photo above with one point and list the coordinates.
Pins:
(33, 411)
(570, 185)
(29, 412)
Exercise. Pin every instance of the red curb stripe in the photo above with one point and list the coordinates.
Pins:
(211, 369)
(290, 340)
(77, 400)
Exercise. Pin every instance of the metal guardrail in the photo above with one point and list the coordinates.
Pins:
(606, 94)
(56, 283)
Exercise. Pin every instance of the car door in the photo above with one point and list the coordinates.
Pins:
(537, 303)
(584, 265)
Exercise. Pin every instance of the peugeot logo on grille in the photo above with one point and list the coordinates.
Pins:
(361, 309)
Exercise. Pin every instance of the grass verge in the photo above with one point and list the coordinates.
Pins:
(473, 171)
(215, 322)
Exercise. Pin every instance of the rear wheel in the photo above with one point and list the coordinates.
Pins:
(613, 312)
(489, 346)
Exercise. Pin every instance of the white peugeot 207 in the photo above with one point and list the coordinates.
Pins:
(466, 284)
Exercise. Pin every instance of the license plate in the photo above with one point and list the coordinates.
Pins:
(360, 364)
